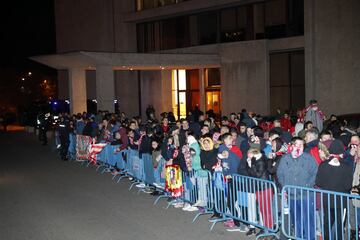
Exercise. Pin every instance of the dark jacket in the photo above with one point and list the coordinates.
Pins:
(334, 178)
(258, 168)
(145, 146)
(208, 159)
(90, 129)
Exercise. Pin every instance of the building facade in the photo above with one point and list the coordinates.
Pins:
(223, 55)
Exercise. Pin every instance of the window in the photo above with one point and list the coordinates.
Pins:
(287, 81)
(284, 18)
(208, 28)
(270, 19)
(237, 24)
(149, 4)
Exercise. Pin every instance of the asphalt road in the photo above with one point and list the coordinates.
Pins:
(44, 198)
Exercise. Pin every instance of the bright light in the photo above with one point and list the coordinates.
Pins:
(55, 103)
(23, 79)
(67, 101)
(115, 101)
(29, 73)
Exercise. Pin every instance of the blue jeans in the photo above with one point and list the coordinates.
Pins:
(302, 215)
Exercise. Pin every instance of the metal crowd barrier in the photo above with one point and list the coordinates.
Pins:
(106, 158)
(308, 213)
(249, 200)
(205, 192)
(254, 201)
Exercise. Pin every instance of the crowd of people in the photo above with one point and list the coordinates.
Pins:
(302, 152)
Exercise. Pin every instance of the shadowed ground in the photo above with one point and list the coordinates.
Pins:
(42, 197)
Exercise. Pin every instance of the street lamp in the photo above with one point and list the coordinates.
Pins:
(29, 73)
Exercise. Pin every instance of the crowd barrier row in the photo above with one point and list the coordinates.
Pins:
(293, 213)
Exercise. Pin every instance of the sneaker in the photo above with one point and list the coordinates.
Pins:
(229, 224)
(140, 185)
(191, 209)
(199, 203)
(251, 232)
(156, 193)
(186, 206)
(242, 228)
(158, 185)
(178, 205)
(147, 190)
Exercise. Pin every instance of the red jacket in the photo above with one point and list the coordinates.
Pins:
(285, 124)
(237, 151)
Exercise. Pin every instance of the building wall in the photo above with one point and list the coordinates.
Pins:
(125, 32)
(84, 25)
(94, 25)
(245, 77)
(156, 91)
(332, 30)
(63, 84)
(126, 91)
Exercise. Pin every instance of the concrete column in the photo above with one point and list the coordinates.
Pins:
(202, 89)
(77, 90)
(105, 89)
(310, 60)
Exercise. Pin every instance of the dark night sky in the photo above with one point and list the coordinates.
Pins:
(27, 28)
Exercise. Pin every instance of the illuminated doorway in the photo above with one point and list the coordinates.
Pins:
(185, 91)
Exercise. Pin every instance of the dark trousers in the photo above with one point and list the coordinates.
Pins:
(231, 200)
(302, 213)
(64, 148)
(329, 221)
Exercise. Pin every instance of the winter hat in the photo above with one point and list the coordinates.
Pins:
(211, 143)
(327, 143)
(336, 147)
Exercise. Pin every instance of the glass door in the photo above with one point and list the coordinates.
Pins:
(213, 101)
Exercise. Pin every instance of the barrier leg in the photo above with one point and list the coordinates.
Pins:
(202, 213)
(173, 202)
(215, 221)
(134, 183)
(267, 234)
(160, 197)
